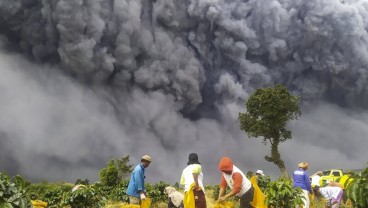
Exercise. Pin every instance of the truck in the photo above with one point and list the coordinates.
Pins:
(336, 175)
(330, 175)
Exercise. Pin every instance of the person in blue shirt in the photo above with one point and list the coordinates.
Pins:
(136, 190)
(301, 180)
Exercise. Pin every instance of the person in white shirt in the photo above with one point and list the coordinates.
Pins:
(316, 179)
(193, 174)
(332, 193)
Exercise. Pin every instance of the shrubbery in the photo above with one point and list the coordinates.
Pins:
(357, 190)
(12, 192)
(280, 193)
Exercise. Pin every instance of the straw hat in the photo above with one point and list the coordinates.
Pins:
(303, 165)
(146, 158)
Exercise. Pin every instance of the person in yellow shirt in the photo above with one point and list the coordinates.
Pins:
(192, 174)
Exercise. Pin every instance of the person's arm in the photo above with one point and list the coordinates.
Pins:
(238, 181)
(307, 182)
(139, 182)
(223, 185)
(182, 179)
(196, 171)
(195, 177)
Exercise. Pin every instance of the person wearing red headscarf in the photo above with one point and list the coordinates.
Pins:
(240, 185)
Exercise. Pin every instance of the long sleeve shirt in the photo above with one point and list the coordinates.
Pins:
(136, 183)
(238, 181)
(301, 180)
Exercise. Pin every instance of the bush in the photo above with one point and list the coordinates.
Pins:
(12, 192)
(357, 190)
(85, 197)
(156, 191)
(50, 193)
(263, 182)
(281, 193)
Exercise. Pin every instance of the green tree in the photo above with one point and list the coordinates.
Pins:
(116, 171)
(82, 182)
(124, 169)
(268, 111)
(109, 175)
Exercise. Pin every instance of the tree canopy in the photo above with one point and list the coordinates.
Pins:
(268, 111)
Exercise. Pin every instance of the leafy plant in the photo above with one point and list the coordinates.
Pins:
(85, 197)
(118, 193)
(12, 192)
(281, 193)
(263, 182)
(357, 190)
(156, 192)
(50, 193)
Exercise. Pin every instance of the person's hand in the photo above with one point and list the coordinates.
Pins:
(143, 197)
(197, 188)
(221, 199)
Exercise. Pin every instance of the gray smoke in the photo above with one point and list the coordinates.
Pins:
(84, 81)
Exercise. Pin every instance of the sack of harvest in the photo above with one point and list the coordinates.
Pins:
(259, 197)
(189, 201)
(224, 204)
(146, 203)
(38, 204)
(130, 206)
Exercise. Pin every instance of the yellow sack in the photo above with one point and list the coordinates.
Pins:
(38, 203)
(224, 205)
(259, 197)
(130, 206)
(189, 201)
(146, 203)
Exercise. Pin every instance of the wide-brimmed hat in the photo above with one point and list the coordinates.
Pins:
(193, 159)
(303, 165)
(146, 158)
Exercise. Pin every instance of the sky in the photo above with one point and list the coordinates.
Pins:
(84, 82)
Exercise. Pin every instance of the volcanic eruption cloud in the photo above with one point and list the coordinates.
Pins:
(85, 81)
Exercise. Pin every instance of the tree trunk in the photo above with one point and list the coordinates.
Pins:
(276, 158)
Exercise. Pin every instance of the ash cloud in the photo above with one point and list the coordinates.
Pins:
(87, 80)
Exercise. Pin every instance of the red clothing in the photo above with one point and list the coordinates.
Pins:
(238, 180)
(227, 165)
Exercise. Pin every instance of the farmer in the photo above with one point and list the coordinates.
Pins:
(332, 193)
(237, 181)
(316, 178)
(301, 180)
(136, 190)
(193, 174)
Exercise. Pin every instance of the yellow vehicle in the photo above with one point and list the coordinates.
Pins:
(337, 175)
(330, 175)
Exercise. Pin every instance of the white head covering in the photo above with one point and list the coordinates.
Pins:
(260, 172)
